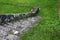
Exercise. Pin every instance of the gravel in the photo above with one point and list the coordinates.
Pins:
(10, 31)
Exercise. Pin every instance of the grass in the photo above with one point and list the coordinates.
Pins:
(48, 28)
(13, 9)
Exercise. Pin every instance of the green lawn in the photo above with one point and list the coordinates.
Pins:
(48, 28)
(4, 8)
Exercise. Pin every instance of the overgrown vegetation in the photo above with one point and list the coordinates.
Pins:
(48, 28)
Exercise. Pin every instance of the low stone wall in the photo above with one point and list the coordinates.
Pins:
(4, 18)
(10, 31)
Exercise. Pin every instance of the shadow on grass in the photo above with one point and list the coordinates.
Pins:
(55, 35)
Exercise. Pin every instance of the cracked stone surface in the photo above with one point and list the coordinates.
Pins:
(10, 31)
